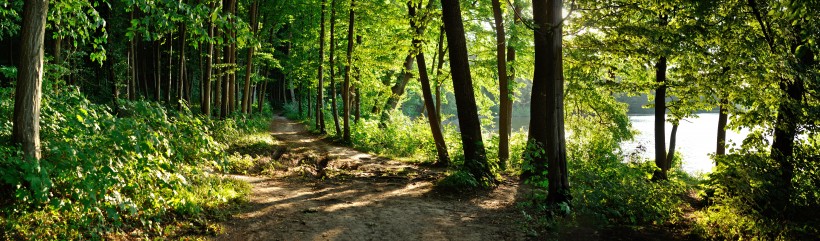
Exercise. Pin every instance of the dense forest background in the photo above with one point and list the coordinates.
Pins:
(123, 115)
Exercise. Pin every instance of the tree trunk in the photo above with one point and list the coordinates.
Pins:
(157, 71)
(357, 88)
(234, 90)
(170, 69)
(346, 88)
(181, 79)
(660, 120)
(333, 105)
(721, 131)
(547, 120)
(504, 91)
(398, 89)
(209, 60)
(439, 79)
(26, 125)
(435, 124)
(670, 156)
(320, 121)
(261, 96)
(475, 160)
(246, 102)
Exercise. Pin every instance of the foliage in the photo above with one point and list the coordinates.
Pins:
(742, 189)
(102, 175)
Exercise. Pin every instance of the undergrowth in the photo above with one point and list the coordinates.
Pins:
(142, 173)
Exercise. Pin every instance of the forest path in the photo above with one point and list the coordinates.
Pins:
(351, 195)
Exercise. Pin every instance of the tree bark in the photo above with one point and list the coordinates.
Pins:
(435, 124)
(206, 92)
(670, 156)
(182, 73)
(246, 102)
(26, 125)
(439, 67)
(320, 121)
(660, 120)
(398, 89)
(721, 131)
(333, 105)
(232, 74)
(346, 88)
(547, 119)
(504, 91)
(475, 160)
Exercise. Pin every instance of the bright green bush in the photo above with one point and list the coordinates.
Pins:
(744, 193)
(102, 175)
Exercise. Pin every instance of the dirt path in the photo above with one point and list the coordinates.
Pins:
(350, 195)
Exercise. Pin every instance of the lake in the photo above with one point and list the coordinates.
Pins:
(697, 138)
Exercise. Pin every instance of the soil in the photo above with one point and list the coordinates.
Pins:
(320, 190)
(330, 192)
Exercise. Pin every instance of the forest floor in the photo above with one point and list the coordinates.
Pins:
(331, 192)
(321, 190)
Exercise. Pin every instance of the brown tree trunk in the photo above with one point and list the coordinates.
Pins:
(157, 71)
(333, 104)
(233, 93)
(26, 119)
(435, 124)
(181, 78)
(723, 119)
(670, 156)
(547, 120)
(246, 102)
(504, 91)
(346, 88)
(660, 120)
(206, 79)
(398, 89)
(475, 160)
(439, 74)
(320, 121)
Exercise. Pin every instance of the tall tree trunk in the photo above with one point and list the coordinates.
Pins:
(670, 156)
(233, 93)
(475, 159)
(660, 120)
(346, 88)
(261, 96)
(435, 124)
(320, 121)
(170, 69)
(439, 74)
(157, 71)
(398, 89)
(357, 88)
(723, 119)
(182, 75)
(246, 102)
(504, 90)
(26, 125)
(333, 104)
(206, 79)
(547, 121)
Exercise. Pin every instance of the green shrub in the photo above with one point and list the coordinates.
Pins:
(102, 175)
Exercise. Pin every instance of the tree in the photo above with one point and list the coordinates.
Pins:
(333, 105)
(432, 117)
(320, 121)
(26, 119)
(346, 88)
(546, 137)
(475, 160)
(246, 102)
(505, 117)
